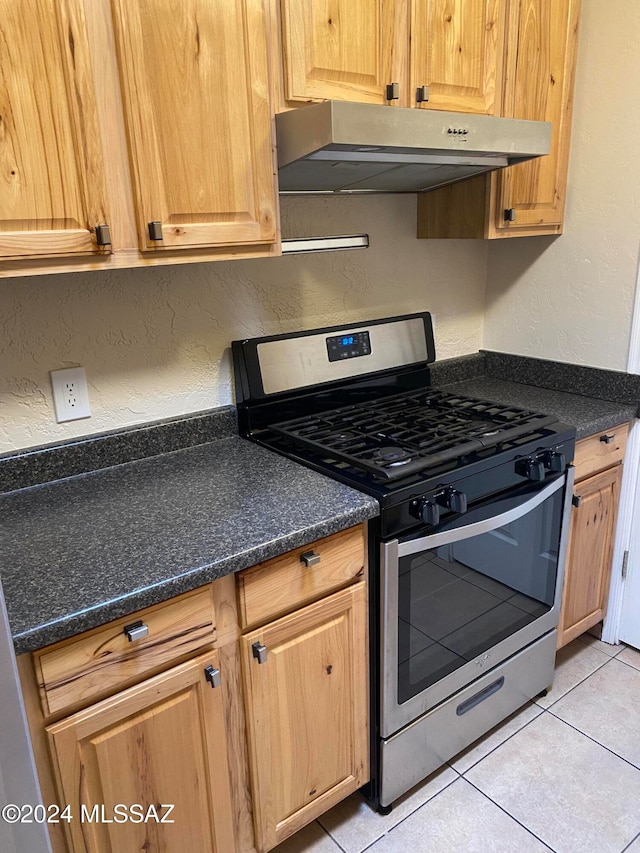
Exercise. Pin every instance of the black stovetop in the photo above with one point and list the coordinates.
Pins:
(420, 430)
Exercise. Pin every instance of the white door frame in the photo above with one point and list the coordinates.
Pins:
(627, 538)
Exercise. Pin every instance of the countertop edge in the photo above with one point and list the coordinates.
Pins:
(77, 623)
(626, 414)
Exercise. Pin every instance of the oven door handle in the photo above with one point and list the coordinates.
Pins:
(426, 543)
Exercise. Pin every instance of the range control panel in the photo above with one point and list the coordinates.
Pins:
(349, 345)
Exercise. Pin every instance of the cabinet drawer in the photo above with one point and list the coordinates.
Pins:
(104, 660)
(596, 453)
(284, 583)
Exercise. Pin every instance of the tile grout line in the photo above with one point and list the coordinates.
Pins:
(491, 751)
(502, 809)
(593, 740)
(630, 665)
(577, 684)
(621, 646)
(415, 811)
(326, 831)
(630, 843)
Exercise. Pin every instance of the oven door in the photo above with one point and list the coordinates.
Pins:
(462, 600)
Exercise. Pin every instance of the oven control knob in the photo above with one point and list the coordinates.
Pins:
(453, 499)
(426, 510)
(532, 468)
(556, 462)
(457, 501)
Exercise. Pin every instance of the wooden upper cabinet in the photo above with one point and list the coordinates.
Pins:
(195, 91)
(541, 56)
(345, 50)
(162, 742)
(51, 174)
(457, 49)
(527, 199)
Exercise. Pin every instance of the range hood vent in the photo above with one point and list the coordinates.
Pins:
(343, 147)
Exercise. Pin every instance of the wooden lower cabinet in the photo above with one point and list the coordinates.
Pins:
(245, 763)
(588, 566)
(307, 712)
(161, 742)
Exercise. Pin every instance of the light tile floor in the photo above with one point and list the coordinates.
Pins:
(561, 774)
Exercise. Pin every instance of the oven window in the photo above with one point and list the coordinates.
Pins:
(457, 601)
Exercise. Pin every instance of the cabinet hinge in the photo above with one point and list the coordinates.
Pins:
(625, 564)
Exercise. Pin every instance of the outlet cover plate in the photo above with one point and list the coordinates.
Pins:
(70, 394)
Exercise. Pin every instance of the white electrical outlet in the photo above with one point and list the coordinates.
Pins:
(70, 394)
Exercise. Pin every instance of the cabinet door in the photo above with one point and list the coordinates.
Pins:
(51, 171)
(588, 567)
(162, 742)
(307, 711)
(539, 86)
(195, 91)
(345, 50)
(457, 51)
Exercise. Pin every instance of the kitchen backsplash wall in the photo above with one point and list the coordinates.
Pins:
(154, 341)
(570, 298)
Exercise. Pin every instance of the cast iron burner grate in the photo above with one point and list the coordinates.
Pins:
(405, 433)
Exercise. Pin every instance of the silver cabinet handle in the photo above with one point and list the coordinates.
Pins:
(155, 230)
(259, 652)
(136, 631)
(422, 94)
(212, 675)
(393, 91)
(310, 558)
(103, 235)
(607, 439)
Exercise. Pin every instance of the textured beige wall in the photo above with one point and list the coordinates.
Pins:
(154, 342)
(571, 298)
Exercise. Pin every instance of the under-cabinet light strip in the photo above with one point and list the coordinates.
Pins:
(324, 244)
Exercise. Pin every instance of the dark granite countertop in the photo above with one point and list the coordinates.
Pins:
(587, 414)
(80, 551)
(588, 398)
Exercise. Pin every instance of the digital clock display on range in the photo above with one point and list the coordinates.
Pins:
(349, 345)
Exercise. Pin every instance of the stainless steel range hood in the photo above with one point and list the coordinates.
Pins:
(337, 146)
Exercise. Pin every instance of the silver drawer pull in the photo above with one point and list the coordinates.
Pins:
(479, 697)
(212, 675)
(310, 558)
(259, 652)
(607, 439)
(155, 230)
(136, 631)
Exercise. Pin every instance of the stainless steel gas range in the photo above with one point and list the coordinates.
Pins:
(467, 556)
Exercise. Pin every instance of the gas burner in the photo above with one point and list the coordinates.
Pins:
(392, 437)
(484, 428)
(393, 455)
(344, 436)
